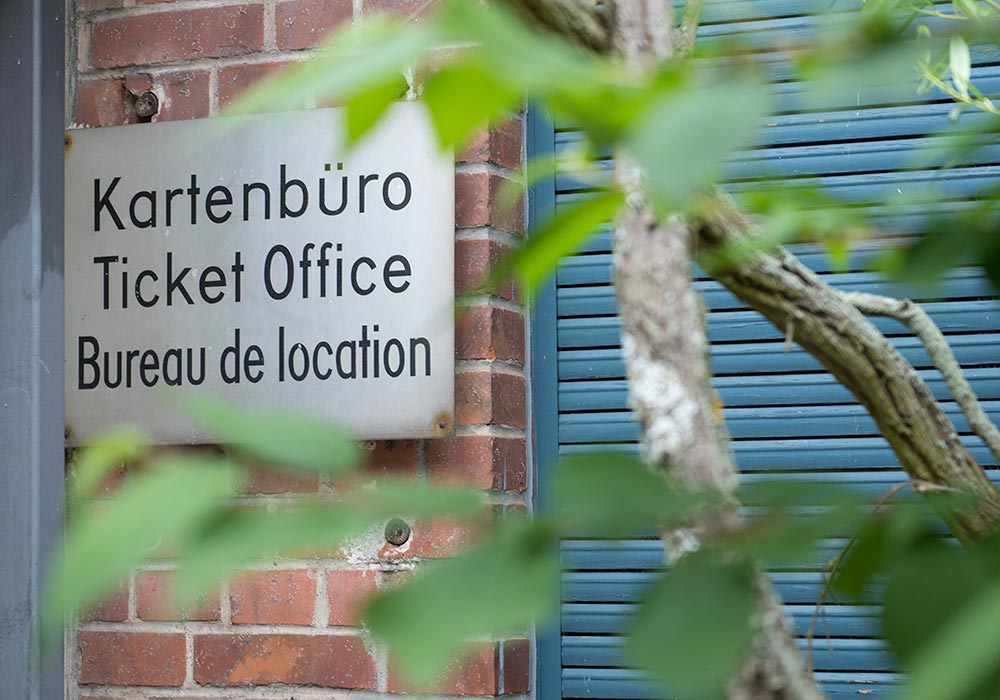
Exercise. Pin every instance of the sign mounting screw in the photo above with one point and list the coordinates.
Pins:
(397, 532)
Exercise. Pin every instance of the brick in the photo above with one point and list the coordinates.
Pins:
(113, 608)
(348, 593)
(154, 601)
(281, 597)
(489, 398)
(100, 103)
(131, 658)
(409, 9)
(501, 144)
(266, 480)
(91, 5)
(185, 95)
(211, 32)
(244, 660)
(445, 537)
(488, 199)
(516, 666)
(235, 80)
(489, 333)
(478, 461)
(302, 24)
(387, 460)
(476, 672)
(474, 260)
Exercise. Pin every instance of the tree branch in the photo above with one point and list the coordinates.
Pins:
(785, 291)
(577, 20)
(917, 320)
(689, 27)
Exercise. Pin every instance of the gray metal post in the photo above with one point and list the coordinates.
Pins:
(31, 333)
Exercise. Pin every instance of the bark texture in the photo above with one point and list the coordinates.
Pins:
(666, 357)
(829, 326)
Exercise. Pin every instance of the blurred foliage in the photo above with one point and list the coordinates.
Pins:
(680, 121)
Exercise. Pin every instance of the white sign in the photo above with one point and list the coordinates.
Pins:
(262, 260)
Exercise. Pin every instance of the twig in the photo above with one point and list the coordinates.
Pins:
(917, 320)
(689, 27)
(832, 566)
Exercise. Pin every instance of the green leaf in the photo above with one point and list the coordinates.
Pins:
(615, 494)
(353, 60)
(693, 628)
(165, 503)
(367, 106)
(462, 99)
(680, 144)
(956, 661)
(93, 463)
(960, 64)
(240, 537)
(499, 588)
(560, 235)
(285, 439)
(243, 536)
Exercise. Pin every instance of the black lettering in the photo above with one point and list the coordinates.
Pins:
(407, 191)
(85, 361)
(289, 272)
(414, 342)
(102, 202)
(388, 274)
(106, 261)
(143, 301)
(247, 188)
(253, 358)
(176, 283)
(211, 201)
(193, 192)
(212, 277)
(285, 186)
(363, 181)
(354, 276)
(400, 358)
(150, 220)
(149, 363)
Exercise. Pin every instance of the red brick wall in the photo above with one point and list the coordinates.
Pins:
(291, 629)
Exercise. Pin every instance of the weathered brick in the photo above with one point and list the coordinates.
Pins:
(489, 333)
(185, 95)
(474, 260)
(280, 597)
(302, 24)
(244, 659)
(348, 593)
(100, 103)
(488, 199)
(489, 398)
(235, 80)
(131, 658)
(266, 480)
(113, 608)
(174, 35)
(501, 144)
(90, 5)
(409, 9)
(516, 666)
(154, 600)
(476, 672)
(387, 460)
(478, 461)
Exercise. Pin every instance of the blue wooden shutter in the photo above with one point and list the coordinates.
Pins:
(785, 413)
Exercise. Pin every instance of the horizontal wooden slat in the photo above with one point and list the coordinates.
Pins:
(771, 357)
(626, 684)
(629, 586)
(600, 300)
(743, 326)
(764, 390)
(828, 655)
(834, 620)
(820, 454)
